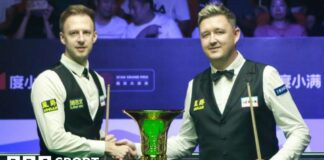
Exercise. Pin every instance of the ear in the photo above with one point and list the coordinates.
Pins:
(95, 37)
(237, 34)
(62, 38)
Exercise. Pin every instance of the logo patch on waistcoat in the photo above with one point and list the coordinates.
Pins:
(245, 101)
(49, 105)
(199, 104)
(76, 103)
(281, 90)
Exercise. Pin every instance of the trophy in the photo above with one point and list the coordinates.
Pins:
(154, 126)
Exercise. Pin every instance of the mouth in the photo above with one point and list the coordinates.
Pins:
(214, 48)
(81, 48)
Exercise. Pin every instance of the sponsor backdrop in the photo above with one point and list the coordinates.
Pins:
(153, 74)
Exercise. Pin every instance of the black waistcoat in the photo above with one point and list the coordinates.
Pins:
(78, 121)
(230, 135)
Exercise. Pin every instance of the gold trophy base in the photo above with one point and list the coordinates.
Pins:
(160, 157)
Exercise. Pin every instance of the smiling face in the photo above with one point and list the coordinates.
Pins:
(78, 36)
(218, 38)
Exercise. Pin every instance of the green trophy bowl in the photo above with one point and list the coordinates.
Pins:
(154, 126)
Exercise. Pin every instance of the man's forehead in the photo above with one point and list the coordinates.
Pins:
(76, 22)
(79, 18)
(217, 21)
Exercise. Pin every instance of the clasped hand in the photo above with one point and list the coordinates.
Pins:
(120, 150)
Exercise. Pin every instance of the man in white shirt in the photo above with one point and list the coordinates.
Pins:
(217, 116)
(177, 9)
(108, 25)
(69, 99)
(147, 24)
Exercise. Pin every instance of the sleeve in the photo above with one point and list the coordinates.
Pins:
(181, 10)
(286, 115)
(185, 142)
(48, 96)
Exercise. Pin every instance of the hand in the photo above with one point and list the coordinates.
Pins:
(110, 138)
(46, 13)
(151, 31)
(117, 152)
(130, 144)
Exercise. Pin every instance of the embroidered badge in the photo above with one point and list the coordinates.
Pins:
(76, 103)
(245, 101)
(281, 90)
(49, 105)
(199, 104)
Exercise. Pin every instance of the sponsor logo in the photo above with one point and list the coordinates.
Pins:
(199, 104)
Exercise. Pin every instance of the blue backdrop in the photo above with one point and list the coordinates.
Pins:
(154, 74)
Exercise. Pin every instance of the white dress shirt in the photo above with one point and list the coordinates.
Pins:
(284, 109)
(48, 86)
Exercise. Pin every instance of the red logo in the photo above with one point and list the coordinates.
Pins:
(2, 81)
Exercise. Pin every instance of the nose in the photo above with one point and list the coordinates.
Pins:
(212, 39)
(81, 38)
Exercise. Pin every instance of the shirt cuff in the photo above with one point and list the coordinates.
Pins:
(138, 149)
(97, 147)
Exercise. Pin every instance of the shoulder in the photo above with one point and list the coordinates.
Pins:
(47, 75)
(296, 28)
(261, 30)
(269, 70)
(119, 20)
(101, 79)
(47, 81)
(256, 63)
(203, 75)
(163, 18)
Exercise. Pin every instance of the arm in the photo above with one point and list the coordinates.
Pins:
(51, 124)
(48, 28)
(174, 30)
(182, 15)
(20, 33)
(151, 31)
(286, 115)
(185, 142)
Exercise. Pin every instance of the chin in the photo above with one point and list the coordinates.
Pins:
(215, 56)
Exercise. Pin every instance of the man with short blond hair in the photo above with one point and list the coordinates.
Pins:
(216, 117)
(69, 98)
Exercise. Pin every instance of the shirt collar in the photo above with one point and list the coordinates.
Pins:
(236, 64)
(72, 65)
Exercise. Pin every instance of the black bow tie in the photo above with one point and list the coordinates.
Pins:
(227, 73)
(85, 73)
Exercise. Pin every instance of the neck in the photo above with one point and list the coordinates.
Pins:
(102, 20)
(223, 63)
(145, 19)
(80, 61)
(279, 23)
